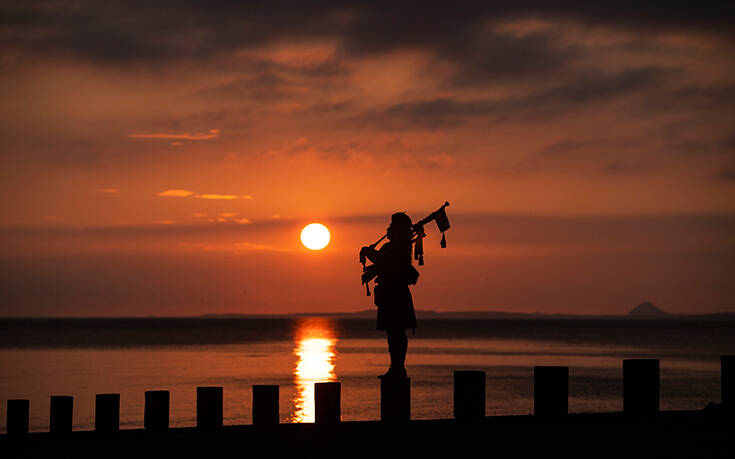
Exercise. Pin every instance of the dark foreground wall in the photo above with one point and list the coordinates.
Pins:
(668, 434)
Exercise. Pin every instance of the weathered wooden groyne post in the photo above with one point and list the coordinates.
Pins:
(156, 411)
(550, 391)
(727, 376)
(61, 414)
(18, 417)
(641, 397)
(327, 401)
(209, 408)
(641, 386)
(265, 405)
(469, 395)
(395, 399)
(107, 413)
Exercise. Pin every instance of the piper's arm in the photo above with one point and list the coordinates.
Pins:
(369, 273)
(370, 253)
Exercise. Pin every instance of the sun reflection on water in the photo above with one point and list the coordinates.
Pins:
(314, 348)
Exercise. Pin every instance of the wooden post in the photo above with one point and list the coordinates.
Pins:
(156, 410)
(727, 374)
(469, 395)
(17, 417)
(550, 391)
(265, 405)
(209, 408)
(395, 399)
(641, 386)
(327, 403)
(107, 413)
(60, 419)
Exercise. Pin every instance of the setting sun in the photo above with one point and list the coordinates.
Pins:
(315, 236)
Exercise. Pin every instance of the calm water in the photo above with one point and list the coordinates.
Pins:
(39, 358)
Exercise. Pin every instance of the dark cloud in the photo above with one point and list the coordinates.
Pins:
(728, 144)
(691, 98)
(267, 80)
(599, 156)
(151, 31)
(564, 147)
(328, 67)
(618, 168)
(264, 87)
(594, 87)
(578, 93)
(495, 57)
(726, 174)
(427, 114)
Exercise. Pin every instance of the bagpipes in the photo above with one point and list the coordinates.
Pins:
(417, 235)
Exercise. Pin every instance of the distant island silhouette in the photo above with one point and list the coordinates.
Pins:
(648, 309)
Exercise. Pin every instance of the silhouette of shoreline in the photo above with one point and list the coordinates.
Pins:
(645, 311)
(430, 314)
(420, 314)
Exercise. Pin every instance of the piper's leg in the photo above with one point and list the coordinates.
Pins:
(391, 345)
(404, 348)
(397, 347)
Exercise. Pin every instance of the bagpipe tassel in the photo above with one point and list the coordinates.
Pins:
(443, 242)
(418, 248)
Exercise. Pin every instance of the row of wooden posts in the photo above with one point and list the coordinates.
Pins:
(641, 396)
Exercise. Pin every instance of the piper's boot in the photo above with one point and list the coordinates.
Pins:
(394, 373)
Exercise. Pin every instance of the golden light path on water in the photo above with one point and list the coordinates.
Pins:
(315, 351)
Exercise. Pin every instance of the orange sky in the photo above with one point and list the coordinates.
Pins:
(161, 159)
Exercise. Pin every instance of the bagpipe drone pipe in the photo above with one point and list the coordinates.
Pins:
(417, 235)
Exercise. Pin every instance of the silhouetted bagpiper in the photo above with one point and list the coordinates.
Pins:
(393, 273)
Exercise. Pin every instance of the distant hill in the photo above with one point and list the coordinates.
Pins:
(648, 309)
(645, 310)
(421, 314)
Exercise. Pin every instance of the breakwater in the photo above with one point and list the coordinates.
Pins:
(640, 423)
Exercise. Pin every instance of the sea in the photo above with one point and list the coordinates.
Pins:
(83, 357)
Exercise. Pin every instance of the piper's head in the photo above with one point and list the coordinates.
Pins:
(400, 228)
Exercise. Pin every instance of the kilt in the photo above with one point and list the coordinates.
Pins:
(395, 307)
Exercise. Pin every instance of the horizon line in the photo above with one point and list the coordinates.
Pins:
(664, 314)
